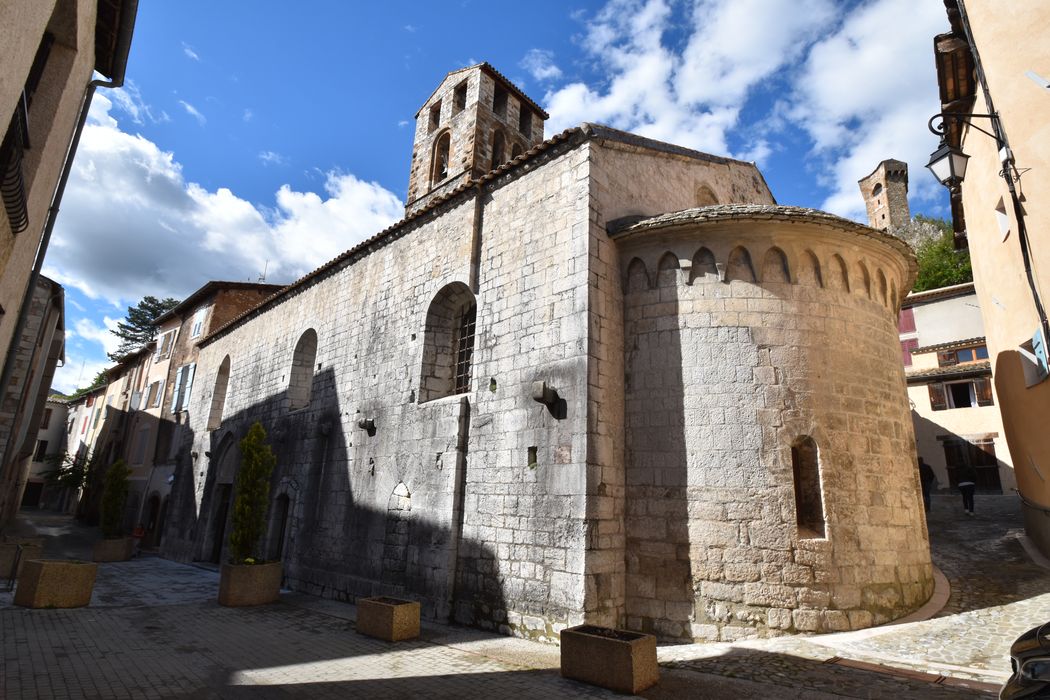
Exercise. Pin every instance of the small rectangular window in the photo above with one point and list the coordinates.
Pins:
(981, 352)
(964, 355)
(165, 344)
(961, 394)
(459, 100)
(198, 322)
(499, 101)
(435, 115)
(41, 451)
(947, 359)
(525, 121)
(46, 420)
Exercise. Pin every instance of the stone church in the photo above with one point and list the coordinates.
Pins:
(589, 378)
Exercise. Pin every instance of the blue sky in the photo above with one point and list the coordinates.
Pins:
(263, 135)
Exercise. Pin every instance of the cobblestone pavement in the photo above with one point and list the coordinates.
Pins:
(153, 630)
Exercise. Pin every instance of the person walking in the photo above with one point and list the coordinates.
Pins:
(967, 483)
(926, 478)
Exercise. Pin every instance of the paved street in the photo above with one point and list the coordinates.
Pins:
(154, 630)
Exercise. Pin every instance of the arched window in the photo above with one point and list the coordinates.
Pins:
(218, 396)
(499, 148)
(448, 343)
(441, 158)
(876, 190)
(300, 384)
(809, 508)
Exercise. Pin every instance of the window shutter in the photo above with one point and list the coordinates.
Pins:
(937, 400)
(175, 392)
(906, 321)
(188, 384)
(983, 389)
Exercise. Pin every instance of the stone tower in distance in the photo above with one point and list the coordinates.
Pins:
(886, 195)
(474, 122)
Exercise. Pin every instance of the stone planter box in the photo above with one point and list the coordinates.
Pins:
(249, 584)
(119, 549)
(31, 549)
(615, 659)
(55, 583)
(392, 619)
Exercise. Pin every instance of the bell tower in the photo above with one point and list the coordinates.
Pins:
(885, 193)
(474, 122)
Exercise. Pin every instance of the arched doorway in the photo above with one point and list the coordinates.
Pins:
(279, 526)
(152, 511)
(222, 499)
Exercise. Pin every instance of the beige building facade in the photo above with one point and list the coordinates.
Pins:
(953, 398)
(996, 59)
(48, 50)
(610, 380)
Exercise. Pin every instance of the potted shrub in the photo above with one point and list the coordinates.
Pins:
(247, 580)
(114, 546)
(55, 583)
(619, 660)
(392, 619)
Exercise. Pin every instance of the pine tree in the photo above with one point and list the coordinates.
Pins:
(253, 493)
(137, 328)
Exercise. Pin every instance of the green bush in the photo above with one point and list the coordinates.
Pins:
(253, 493)
(114, 498)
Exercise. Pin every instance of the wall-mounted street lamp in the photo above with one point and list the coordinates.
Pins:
(948, 163)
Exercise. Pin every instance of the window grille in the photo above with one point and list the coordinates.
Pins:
(464, 349)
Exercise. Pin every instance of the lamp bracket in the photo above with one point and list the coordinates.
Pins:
(941, 128)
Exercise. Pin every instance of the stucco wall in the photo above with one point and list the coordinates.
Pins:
(1011, 42)
(946, 321)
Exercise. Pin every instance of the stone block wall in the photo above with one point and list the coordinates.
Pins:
(471, 128)
(493, 531)
(742, 336)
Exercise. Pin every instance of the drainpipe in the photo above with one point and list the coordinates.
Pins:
(123, 46)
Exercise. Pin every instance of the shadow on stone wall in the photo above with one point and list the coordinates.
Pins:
(333, 544)
(988, 478)
(660, 590)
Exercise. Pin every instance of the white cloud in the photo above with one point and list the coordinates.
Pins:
(129, 100)
(194, 112)
(89, 330)
(540, 63)
(248, 115)
(190, 53)
(864, 94)
(132, 226)
(272, 158)
(692, 96)
(77, 372)
(857, 80)
(403, 123)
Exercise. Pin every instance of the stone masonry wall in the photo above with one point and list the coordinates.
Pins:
(743, 337)
(480, 531)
